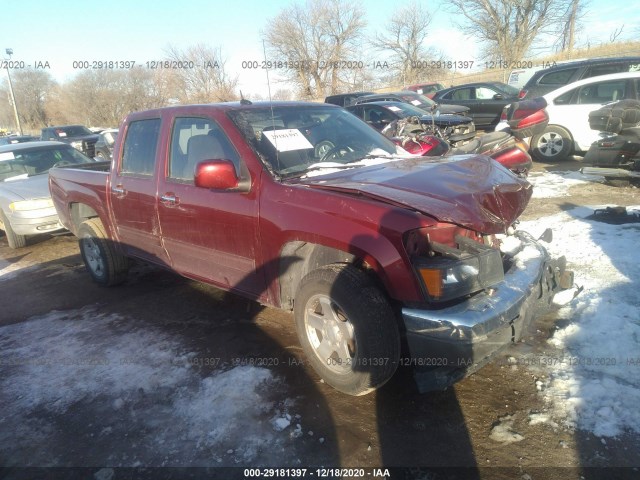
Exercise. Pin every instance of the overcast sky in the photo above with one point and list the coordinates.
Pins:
(120, 30)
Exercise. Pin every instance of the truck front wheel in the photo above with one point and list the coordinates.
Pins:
(106, 265)
(347, 329)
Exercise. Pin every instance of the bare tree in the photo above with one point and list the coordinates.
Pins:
(105, 97)
(569, 23)
(404, 38)
(507, 28)
(616, 33)
(200, 75)
(31, 88)
(318, 41)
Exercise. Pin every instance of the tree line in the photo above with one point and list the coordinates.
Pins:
(322, 42)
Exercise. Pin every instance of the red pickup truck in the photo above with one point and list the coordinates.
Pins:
(386, 259)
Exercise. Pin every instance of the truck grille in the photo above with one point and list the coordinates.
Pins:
(89, 148)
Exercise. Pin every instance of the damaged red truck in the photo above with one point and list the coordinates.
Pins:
(385, 259)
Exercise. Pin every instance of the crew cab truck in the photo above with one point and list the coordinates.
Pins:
(304, 207)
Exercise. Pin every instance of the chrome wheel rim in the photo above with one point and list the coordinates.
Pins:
(330, 334)
(92, 255)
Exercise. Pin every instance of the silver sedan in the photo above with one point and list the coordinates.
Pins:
(25, 203)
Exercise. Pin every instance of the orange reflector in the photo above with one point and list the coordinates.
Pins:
(433, 281)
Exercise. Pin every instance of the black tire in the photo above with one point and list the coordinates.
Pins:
(552, 145)
(616, 182)
(347, 329)
(104, 262)
(14, 240)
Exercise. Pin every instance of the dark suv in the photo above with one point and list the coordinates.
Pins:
(549, 79)
(345, 99)
(78, 136)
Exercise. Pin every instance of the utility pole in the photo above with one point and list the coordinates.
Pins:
(9, 51)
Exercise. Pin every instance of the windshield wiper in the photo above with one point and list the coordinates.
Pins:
(324, 165)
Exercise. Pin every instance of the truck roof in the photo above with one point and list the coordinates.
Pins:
(230, 106)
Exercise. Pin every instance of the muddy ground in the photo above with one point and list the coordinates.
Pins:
(394, 427)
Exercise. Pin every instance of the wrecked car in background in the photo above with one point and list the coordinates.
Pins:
(305, 207)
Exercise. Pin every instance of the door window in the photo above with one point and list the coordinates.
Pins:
(140, 145)
(558, 78)
(194, 140)
(602, 92)
(604, 69)
(460, 94)
(484, 93)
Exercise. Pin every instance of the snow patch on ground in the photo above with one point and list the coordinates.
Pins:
(119, 378)
(503, 431)
(557, 184)
(595, 384)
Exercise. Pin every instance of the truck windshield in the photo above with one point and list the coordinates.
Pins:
(23, 163)
(290, 139)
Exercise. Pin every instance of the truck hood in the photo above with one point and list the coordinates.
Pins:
(472, 191)
(27, 188)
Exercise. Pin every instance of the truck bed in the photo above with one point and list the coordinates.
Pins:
(87, 181)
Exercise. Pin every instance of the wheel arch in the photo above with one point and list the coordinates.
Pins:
(79, 212)
(299, 258)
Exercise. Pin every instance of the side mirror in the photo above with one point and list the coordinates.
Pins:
(498, 96)
(216, 174)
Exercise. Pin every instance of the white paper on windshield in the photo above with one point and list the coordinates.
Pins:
(419, 91)
(415, 102)
(393, 108)
(287, 139)
(6, 156)
(62, 134)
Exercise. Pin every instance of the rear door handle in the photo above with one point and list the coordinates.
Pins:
(119, 190)
(170, 199)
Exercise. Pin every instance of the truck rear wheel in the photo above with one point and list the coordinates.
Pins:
(106, 265)
(13, 239)
(347, 329)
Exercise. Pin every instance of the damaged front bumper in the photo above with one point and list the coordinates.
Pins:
(451, 343)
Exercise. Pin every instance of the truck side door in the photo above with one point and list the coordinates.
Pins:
(210, 235)
(133, 191)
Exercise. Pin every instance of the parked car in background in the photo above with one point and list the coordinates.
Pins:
(11, 139)
(568, 108)
(549, 79)
(78, 136)
(104, 145)
(380, 114)
(414, 99)
(485, 100)
(25, 202)
(345, 99)
(426, 89)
